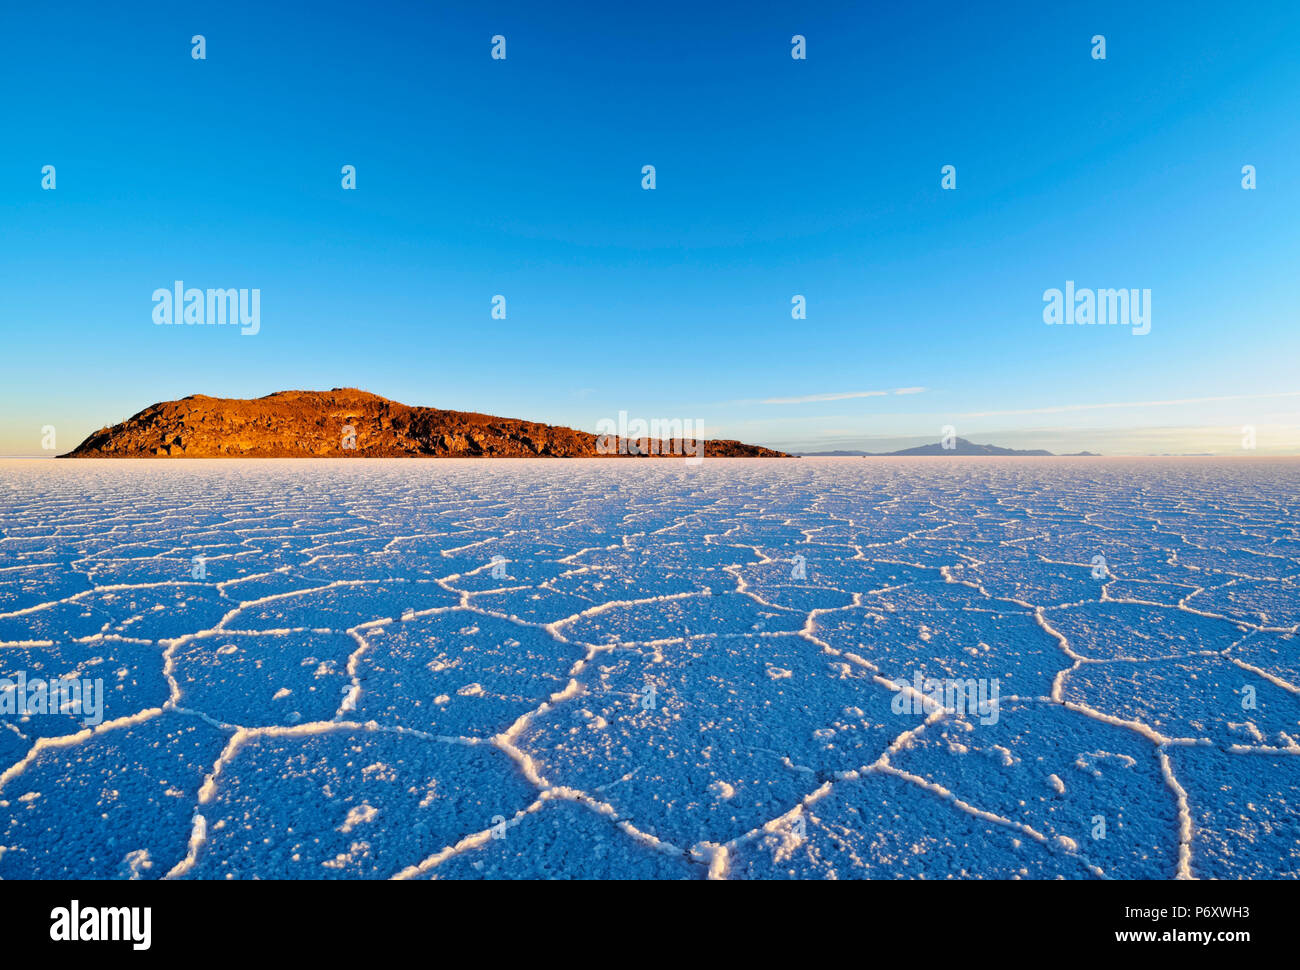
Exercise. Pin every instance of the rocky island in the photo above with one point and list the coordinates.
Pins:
(346, 422)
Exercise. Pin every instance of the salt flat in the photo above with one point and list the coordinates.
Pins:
(647, 669)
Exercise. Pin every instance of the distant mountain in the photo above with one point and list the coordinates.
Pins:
(961, 447)
(320, 424)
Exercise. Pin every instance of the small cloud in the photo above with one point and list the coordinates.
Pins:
(835, 396)
(812, 398)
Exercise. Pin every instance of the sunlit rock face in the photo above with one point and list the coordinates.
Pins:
(348, 423)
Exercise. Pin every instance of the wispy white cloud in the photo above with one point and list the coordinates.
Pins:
(813, 398)
(836, 396)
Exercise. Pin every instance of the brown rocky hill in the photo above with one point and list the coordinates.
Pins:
(307, 424)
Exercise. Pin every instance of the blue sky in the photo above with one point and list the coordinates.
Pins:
(775, 177)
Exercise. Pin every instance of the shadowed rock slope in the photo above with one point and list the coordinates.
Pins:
(307, 424)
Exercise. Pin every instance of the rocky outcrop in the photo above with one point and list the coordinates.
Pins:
(349, 423)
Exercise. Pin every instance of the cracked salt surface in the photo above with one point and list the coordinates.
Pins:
(475, 669)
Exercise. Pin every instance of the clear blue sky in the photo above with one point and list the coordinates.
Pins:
(775, 177)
